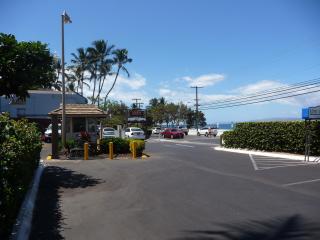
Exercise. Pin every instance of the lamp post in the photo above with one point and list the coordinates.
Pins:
(64, 20)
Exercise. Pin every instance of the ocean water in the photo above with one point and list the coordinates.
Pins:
(226, 126)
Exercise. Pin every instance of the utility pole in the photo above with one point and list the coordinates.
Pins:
(197, 105)
(137, 104)
(64, 20)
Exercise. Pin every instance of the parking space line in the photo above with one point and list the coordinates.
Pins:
(265, 163)
(182, 145)
(302, 182)
(253, 162)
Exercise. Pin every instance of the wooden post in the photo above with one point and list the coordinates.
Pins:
(54, 137)
(86, 151)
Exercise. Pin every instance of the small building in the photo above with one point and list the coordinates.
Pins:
(79, 118)
(38, 105)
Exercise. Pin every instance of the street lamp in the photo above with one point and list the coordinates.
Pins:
(64, 20)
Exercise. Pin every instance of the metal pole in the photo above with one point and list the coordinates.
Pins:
(197, 105)
(63, 123)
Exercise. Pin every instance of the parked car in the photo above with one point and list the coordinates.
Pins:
(48, 132)
(184, 129)
(172, 133)
(205, 131)
(134, 132)
(108, 132)
(156, 130)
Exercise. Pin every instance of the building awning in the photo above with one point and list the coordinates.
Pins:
(80, 110)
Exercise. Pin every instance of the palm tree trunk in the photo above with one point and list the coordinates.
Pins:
(114, 82)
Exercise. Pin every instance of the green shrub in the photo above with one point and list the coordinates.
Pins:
(273, 136)
(140, 146)
(121, 145)
(20, 147)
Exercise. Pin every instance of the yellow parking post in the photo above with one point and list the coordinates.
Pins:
(98, 144)
(111, 150)
(134, 149)
(86, 151)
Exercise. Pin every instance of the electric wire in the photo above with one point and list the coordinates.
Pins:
(254, 102)
(266, 97)
(267, 92)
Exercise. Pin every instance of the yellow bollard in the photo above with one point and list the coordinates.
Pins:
(134, 150)
(111, 150)
(98, 144)
(86, 151)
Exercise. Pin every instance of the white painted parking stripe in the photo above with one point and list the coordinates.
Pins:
(182, 145)
(265, 163)
(253, 162)
(302, 182)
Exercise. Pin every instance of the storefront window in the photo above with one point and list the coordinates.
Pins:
(79, 124)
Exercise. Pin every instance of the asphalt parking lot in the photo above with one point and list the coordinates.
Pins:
(185, 190)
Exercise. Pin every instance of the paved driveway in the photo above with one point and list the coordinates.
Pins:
(183, 191)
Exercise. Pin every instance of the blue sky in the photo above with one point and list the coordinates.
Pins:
(230, 47)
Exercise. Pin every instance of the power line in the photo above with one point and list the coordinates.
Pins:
(268, 92)
(267, 100)
(266, 97)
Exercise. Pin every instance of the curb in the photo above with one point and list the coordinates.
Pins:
(22, 227)
(267, 154)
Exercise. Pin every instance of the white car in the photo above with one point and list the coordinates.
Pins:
(205, 131)
(134, 133)
(108, 132)
(156, 130)
(48, 132)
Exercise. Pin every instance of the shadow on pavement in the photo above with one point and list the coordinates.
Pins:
(48, 219)
(293, 228)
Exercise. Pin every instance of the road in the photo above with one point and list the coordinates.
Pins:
(185, 190)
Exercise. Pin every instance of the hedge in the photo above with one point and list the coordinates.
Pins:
(20, 147)
(121, 146)
(273, 136)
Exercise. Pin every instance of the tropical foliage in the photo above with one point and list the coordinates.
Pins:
(24, 66)
(91, 66)
(174, 114)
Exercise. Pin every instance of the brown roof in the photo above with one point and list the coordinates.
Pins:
(80, 110)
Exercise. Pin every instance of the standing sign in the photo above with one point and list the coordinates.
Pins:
(136, 115)
(314, 112)
(311, 113)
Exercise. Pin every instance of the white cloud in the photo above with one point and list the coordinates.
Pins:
(124, 90)
(204, 80)
(135, 82)
(258, 87)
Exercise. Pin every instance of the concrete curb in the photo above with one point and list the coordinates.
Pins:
(267, 154)
(21, 229)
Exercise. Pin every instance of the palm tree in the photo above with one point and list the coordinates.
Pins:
(57, 66)
(80, 61)
(100, 66)
(120, 59)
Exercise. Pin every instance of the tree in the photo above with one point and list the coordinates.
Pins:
(117, 113)
(24, 66)
(79, 67)
(100, 66)
(120, 59)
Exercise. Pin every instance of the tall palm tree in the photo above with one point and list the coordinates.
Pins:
(58, 67)
(120, 59)
(100, 66)
(80, 61)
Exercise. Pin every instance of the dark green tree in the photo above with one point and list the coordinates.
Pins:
(120, 59)
(24, 66)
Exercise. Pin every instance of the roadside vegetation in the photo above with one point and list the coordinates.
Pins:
(20, 148)
(273, 136)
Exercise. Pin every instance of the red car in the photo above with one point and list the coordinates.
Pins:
(172, 133)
